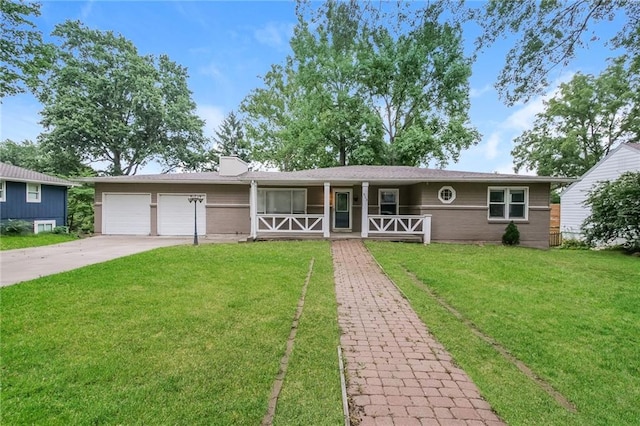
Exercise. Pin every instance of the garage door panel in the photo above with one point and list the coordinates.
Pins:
(175, 215)
(126, 214)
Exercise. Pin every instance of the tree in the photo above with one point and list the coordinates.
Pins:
(364, 87)
(548, 33)
(414, 68)
(313, 112)
(103, 102)
(23, 55)
(230, 139)
(615, 212)
(580, 125)
(80, 213)
(33, 156)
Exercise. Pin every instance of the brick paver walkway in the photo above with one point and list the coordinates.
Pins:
(398, 374)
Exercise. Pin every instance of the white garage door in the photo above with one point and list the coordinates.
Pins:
(126, 214)
(175, 215)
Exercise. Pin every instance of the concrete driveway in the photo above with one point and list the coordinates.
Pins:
(30, 263)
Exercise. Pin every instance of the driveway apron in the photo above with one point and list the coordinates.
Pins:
(398, 374)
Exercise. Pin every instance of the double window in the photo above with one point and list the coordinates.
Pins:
(282, 201)
(388, 201)
(34, 192)
(43, 226)
(508, 203)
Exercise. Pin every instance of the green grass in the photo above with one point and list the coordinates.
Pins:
(571, 316)
(11, 242)
(179, 335)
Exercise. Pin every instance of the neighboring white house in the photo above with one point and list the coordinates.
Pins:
(625, 158)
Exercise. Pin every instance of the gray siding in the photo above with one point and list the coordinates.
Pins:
(227, 205)
(465, 219)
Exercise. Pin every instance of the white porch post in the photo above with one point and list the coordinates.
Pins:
(426, 228)
(253, 209)
(365, 210)
(326, 224)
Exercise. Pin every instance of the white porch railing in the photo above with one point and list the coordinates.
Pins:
(299, 223)
(401, 225)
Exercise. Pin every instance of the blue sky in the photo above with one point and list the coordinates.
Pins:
(226, 46)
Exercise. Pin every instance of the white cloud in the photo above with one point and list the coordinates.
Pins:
(476, 93)
(212, 115)
(274, 34)
(86, 10)
(212, 71)
(491, 147)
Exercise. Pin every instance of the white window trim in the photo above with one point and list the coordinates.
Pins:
(397, 191)
(453, 195)
(39, 192)
(3, 190)
(259, 208)
(43, 222)
(507, 201)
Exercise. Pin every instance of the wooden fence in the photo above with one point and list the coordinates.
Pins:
(555, 238)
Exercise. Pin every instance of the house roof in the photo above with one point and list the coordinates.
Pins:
(633, 145)
(335, 175)
(13, 173)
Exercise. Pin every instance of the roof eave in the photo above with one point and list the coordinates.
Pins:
(39, 181)
(334, 181)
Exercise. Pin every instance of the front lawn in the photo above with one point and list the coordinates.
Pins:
(572, 316)
(11, 242)
(179, 335)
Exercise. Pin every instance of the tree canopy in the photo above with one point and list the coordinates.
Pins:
(548, 34)
(364, 86)
(229, 139)
(103, 102)
(588, 117)
(32, 156)
(23, 55)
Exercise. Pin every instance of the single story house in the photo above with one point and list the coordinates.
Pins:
(624, 158)
(33, 197)
(361, 201)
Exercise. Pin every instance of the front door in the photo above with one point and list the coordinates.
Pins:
(342, 209)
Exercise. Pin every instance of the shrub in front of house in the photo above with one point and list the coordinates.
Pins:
(16, 227)
(511, 236)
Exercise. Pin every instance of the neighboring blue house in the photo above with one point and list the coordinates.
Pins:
(33, 197)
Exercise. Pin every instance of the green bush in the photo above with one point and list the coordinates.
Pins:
(615, 213)
(60, 230)
(574, 244)
(511, 236)
(16, 227)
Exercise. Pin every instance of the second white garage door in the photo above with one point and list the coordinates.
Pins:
(126, 214)
(175, 215)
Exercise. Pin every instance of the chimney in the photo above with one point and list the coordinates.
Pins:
(232, 166)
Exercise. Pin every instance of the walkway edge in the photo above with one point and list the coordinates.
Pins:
(284, 361)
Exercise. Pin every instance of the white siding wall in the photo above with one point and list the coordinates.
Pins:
(572, 211)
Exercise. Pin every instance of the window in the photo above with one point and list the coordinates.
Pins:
(3, 190)
(282, 201)
(33, 192)
(43, 226)
(388, 201)
(447, 194)
(508, 203)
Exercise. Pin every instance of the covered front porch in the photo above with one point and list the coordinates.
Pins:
(338, 215)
